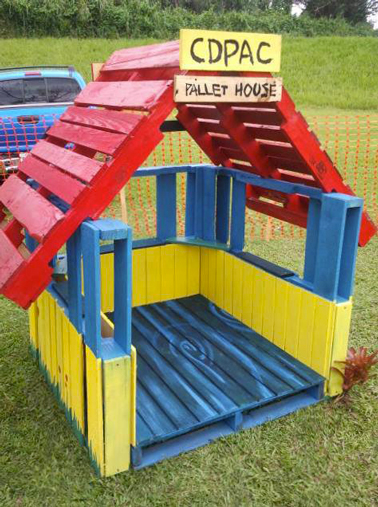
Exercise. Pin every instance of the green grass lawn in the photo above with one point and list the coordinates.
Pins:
(323, 456)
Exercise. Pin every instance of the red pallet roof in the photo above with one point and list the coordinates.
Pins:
(135, 93)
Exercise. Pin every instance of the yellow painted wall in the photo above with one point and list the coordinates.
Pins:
(159, 273)
(310, 328)
(110, 386)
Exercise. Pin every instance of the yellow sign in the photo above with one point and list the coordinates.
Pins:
(232, 51)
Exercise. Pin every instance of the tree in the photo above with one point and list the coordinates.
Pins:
(354, 11)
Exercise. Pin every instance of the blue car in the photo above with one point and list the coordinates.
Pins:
(31, 99)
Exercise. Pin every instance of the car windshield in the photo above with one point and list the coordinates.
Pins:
(38, 90)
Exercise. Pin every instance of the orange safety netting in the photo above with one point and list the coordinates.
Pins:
(351, 141)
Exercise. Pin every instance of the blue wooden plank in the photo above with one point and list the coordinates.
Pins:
(190, 204)
(144, 433)
(208, 204)
(238, 216)
(156, 171)
(152, 414)
(164, 396)
(212, 362)
(90, 236)
(223, 208)
(166, 205)
(312, 238)
(176, 381)
(332, 231)
(214, 395)
(265, 265)
(191, 240)
(75, 309)
(204, 436)
(263, 375)
(122, 292)
(349, 252)
(198, 205)
(276, 374)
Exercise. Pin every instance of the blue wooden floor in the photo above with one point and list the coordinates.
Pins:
(197, 366)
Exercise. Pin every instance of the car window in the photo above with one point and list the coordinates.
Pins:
(62, 89)
(34, 90)
(11, 92)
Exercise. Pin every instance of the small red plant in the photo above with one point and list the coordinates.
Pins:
(358, 364)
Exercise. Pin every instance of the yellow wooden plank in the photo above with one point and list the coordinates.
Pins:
(269, 306)
(294, 300)
(77, 376)
(204, 283)
(322, 340)
(219, 286)
(139, 277)
(193, 259)
(212, 288)
(280, 314)
(237, 292)
(95, 420)
(248, 283)
(66, 361)
(257, 300)
(41, 328)
(33, 325)
(343, 316)
(181, 271)
(167, 253)
(117, 409)
(153, 272)
(228, 282)
(229, 51)
(133, 402)
(59, 350)
(53, 341)
(306, 327)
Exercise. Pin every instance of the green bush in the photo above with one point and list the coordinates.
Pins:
(147, 18)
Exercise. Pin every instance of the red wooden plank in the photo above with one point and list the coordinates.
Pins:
(234, 154)
(138, 95)
(10, 258)
(257, 116)
(112, 121)
(205, 112)
(280, 151)
(212, 126)
(97, 140)
(57, 182)
(140, 52)
(29, 208)
(267, 133)
(71, 162)
(275, 211)
(290, 165)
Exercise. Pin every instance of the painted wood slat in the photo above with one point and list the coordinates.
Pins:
(174, 380)
(165, 394)
(94, 139)
(214, 396)
(55, 181)
(204, 112)
(144, 434)
(322, 340)
(167, 256)
(153, 275)
(280, 316)
(284, 151)
(212, 273)
(139, 294)
(228, 283)
(193, 268)
(10, 258)
(294, 305)
(53, 332)
(214, 369)
(181, 271)
(268, 134)
(269, 306)
(95, 415)
(117, 400)
(138, 95)
(237, 294)
(257, 116)
(32, 210)
(219, 282)
(77, 165)
(149, 56)
(110, 121)
(247, 296)
(257, 380)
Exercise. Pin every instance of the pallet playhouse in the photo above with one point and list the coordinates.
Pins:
(158, 346)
